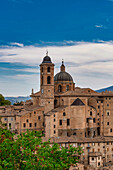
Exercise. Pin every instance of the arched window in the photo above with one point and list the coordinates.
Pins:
(48, 80)
(42, 80)
(48, 69)
(42, 69)
(59, 88)
(67, 88)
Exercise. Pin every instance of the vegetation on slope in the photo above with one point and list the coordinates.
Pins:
(29, 152)
(4, 102)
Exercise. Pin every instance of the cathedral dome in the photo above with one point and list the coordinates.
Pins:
(63, 76)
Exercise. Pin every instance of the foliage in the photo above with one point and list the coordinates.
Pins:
(4, 102)
(29, 152)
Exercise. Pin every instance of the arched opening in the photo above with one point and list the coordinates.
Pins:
(48, 69)
(42, 69)
(42, 80)
(67, 88)
(48, 80)
(59, 88)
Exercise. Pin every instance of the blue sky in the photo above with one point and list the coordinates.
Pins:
(80, 31)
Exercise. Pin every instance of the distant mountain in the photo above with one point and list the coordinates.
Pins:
(17, 99)
(104, 89)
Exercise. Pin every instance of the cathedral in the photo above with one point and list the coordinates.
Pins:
(70, 110)
(67, 114)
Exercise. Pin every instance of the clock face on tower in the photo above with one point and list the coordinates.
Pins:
(42, 91)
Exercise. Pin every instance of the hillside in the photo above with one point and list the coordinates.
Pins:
(104, 89)
(17, 99)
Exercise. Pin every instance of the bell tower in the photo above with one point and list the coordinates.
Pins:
(47, 83)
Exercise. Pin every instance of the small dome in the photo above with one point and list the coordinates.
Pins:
(46, 59)
(63, 76)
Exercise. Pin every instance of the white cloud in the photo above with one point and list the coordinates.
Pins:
(99, 26)
(17, 44)
(91, 64)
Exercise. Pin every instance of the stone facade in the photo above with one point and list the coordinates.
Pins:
(67, 115)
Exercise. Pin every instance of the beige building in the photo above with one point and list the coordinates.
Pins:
(68, 115)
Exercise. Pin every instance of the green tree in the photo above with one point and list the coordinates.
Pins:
(4, 102)
(28, 151)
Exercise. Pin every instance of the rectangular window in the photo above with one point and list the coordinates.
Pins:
(24, 124)
(110, 130)
(60, 122)
(5, 118)
(34, 112)
(107, 123)
(30, 124)
(10, 125)
(94, 120)
(12, 119)
(90, 113)
(68, 122)
(98, 107)
(88, 145)
(38, 117)
(35, 124)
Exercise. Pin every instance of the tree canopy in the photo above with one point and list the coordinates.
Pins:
(4, 102)
(28, 151)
